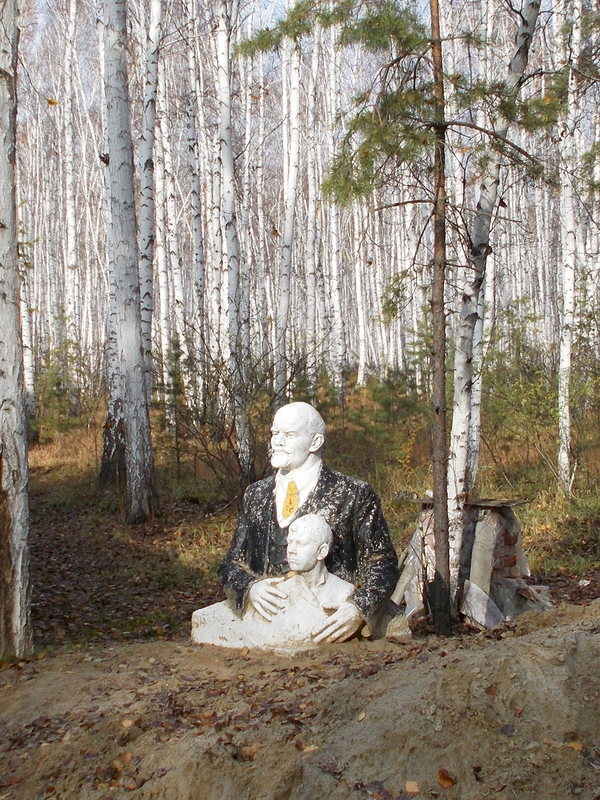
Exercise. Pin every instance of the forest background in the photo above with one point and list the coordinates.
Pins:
(286, 198)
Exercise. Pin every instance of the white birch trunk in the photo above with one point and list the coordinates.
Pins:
(480, 248)
(291, 161)
(339, 341)
(378, 289)
(228, 211)
(359, 268)
(162, 270)
(113, 468)
(261, 291)
(196, 194)
(312, 365)
(27, 338)
(72, 270)
(246, 254)
(140, 489)
(146, 215)
(569, 244)
(15, 625)
(237, 365)
(179, 347)
(216, 261)
(479, 343)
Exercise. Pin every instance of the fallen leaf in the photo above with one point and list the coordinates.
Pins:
(126, 723)
(411, 787)
(518, 711)
(333, 767)
(576, 746)
(445, 780)
(127, 758)
(249, 751)
(307, 748)
(374, 791)
(491, 690)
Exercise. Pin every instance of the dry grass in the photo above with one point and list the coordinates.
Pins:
(67, 455)
(563, 535)
(96, 578)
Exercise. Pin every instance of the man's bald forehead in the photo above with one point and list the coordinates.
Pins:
(302, 416)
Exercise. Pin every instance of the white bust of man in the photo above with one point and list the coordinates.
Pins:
(311, 594)
(297, 438)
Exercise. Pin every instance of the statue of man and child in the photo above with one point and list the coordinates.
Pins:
(311, 560)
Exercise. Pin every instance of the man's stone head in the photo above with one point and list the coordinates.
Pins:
(309, 540)
(297, 431)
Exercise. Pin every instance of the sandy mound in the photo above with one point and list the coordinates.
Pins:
(469, 718)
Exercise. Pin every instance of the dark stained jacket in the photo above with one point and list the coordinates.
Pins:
(362, 551)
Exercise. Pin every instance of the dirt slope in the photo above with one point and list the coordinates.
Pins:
(468, 718)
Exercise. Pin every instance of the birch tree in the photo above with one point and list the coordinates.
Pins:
(571, 51)
(237, 357)
(338, 339)
(15, 626)
(290, 178)
(440, 595)
(147, 215)
(312, 200)
(479, 248)
(72, 267)
(140, 491)
(339, 279)
(196, 201)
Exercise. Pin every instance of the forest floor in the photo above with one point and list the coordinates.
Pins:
(117, 703)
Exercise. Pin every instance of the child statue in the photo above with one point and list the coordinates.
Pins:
(306, 597)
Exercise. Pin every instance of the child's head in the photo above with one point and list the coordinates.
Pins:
(309, 541)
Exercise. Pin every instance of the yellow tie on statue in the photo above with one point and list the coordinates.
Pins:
(290, 503)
